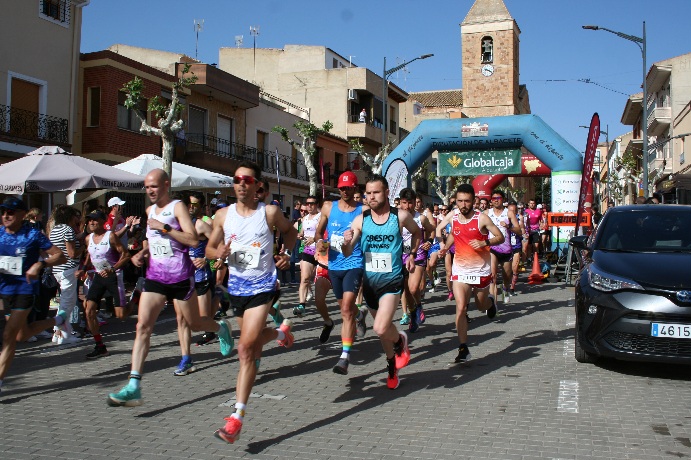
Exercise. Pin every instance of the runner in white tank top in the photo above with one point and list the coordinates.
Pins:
(244, 235)
(170, 232)
(502, 254)
(308, 227)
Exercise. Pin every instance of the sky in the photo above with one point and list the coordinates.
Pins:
(557, 56)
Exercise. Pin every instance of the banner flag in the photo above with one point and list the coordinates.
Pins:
(587, 176)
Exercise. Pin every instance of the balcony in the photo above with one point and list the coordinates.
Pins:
(23, 126)
(209, 145)
(659, 120)
(659, 167)
(370, 130)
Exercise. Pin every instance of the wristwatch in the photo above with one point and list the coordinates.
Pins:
(167, 228)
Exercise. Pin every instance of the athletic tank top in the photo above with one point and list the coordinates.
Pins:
(103, 255)
(309, 227)
(505, 247)
(169, 261)
(469, 261)
(339, 222)
(251, 265)
(407, 238)
(382, 246)
(533, 217)
(199, 252)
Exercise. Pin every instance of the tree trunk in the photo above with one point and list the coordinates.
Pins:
(308, 158)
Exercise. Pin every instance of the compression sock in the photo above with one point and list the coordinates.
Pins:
(98, 338)
(347, 343)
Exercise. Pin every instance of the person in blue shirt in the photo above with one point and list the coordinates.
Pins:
(379, 233)
(21, 249)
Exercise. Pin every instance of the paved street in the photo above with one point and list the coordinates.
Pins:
(522, 396)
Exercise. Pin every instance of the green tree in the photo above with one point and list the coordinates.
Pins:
(167, 116)
(308, 132)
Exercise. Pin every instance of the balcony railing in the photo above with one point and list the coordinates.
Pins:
(32, 126)
(659, 120)
(267, 161)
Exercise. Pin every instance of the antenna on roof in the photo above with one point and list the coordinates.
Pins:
(238, 41)
(198, 27)
(254, 31)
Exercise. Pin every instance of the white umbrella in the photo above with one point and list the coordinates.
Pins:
(184, 176)
(51, 169)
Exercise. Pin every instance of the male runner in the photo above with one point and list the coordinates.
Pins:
(20, 267)
(243, 234)
(414, 286)
(516, 247)
(501, 254)
(379, 231)
(108, 256)
(204, 284)
(471, 270)
(345, 272)
(169, 276)
(533, 219)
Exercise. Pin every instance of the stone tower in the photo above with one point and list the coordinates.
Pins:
(490, 42)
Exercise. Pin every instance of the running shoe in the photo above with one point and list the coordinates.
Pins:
(437, 281)
(513, 292)
(231, 431)
(277, 316)
(341, 366)
(225, 339)
(492, 311)
(450, 297)
(71, 338)
(184, 368)
(405, 319)
(57, 335)
(431, 288)
(99, 351)
(44, 335)
(128, 397)
(326, 332)
(289, 339)
(32, 339)
(360, 324)
(420, 315)
(208, 337)
(402, 352)
(299, 310)
(414, 325)
(310, 293)
(463, 355)
(392, 380)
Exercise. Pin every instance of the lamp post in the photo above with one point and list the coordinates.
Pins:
(641, 43)
(385, 96)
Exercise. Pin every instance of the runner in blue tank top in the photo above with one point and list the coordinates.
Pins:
(345, 272)
(379, 231)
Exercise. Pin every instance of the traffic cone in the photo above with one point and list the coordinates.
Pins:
(536, 276)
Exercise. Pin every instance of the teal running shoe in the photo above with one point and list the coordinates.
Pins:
(225, 339)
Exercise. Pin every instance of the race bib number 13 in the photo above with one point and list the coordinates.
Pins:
(378, 262)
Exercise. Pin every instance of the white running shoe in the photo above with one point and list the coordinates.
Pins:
(69, 339)
(310, 294)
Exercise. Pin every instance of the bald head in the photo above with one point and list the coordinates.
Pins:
(157, 185)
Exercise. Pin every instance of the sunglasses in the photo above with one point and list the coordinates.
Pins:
(260, 190)
(496, 198)
(194, 204)
(9, 212)
(249, 180)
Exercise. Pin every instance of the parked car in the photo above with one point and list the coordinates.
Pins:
(633, 293)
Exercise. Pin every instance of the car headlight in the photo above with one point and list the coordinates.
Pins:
(607, 282)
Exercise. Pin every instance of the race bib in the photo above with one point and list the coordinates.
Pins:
(10, 265)
(467, 279)
(378, 262)
(406, 248)
(335, 243)
(101, 265)
(244, 257)
(160, 249)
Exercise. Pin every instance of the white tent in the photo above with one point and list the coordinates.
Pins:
(184, 177)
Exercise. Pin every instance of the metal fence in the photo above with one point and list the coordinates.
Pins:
(24, 124)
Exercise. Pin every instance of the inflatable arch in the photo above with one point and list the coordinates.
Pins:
(490, 134)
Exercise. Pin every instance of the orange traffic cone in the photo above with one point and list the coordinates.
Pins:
(536, 276)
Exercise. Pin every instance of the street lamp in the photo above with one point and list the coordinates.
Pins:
(385, 95)
(641, 43)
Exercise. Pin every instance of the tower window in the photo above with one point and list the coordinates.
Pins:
(487, 49)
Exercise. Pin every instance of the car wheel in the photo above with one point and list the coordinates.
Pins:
(581, 355)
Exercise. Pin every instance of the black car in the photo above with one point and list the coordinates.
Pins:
(633, 294)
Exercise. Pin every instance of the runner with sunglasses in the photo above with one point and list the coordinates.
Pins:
(308, 225)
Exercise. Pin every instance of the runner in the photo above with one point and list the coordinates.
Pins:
(242, 233)
(380, 229)
(204, 284)
(471, 272)
(20, 266)
(108, 256)
(345, 272)
(308, 262)
(501, 254)
(516, 247)
(533, 219)
(169, 276)
(434, 250)
(416, 277)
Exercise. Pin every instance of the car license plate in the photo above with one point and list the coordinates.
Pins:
(671, 331)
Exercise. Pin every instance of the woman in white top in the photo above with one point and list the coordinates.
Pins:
(308, 226)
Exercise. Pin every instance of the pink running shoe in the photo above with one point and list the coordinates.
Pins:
(286, 327)
(231, 431)
(402, 354)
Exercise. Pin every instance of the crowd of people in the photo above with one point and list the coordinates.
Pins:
(374, 255)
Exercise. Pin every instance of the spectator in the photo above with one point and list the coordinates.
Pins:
(363, 116)
(35, 218)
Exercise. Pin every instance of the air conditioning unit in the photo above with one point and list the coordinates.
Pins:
(352, 95)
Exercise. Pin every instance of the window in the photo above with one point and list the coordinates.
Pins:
(93, 106)
(57, 11)
(487, 47)
(127, 119)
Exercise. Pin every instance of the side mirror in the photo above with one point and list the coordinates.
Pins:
(579, 242)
